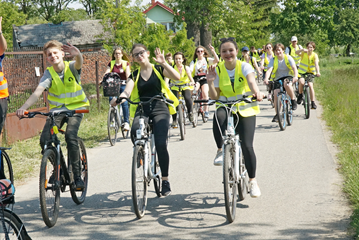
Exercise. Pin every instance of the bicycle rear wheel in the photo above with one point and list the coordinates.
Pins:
(49, 188)
(6, 167)
(289, 112)
(181, 120)
(195, 114)
(157, 182)
(139, 183)
(243, 187)
(112, 126)
(229, 183)
(281, 112)
(79, 196)
(12, 227)
(306, 102)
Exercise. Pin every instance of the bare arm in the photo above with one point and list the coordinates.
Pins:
(299, 51)
(267, 75)
(256, 66)
(126, 93)
(295, 71)
(3, 44)
(317, 68)
(189, 74)
(215, 56)
(30, 101)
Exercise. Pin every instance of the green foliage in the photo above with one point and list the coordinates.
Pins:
(180, 43)
(93, 8)
(10, 17)
(69, 15)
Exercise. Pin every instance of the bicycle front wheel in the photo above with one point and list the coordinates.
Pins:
(12, 227)
(181, 120)
(79, 196)
(243, 187)
(195, 114)
(281, 112)
(112, 126)
(157, 181)
(229, 182)
(306, 102)
(6, 167)
(49, 188)
(289, 112)
(139, 183)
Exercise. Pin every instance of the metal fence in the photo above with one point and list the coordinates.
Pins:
(23, 70)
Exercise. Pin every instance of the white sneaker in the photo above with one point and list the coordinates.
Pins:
(269, 97)
(254, 190)
(218, 160)
(126, 126)
(206, 114)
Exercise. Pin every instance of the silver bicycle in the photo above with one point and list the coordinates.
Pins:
(145, 166)
(235, 175)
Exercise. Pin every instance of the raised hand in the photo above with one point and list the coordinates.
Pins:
(211, 73)
(71, 50)
(160, 57)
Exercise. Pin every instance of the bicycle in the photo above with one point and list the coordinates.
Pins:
(145, 166)
(55, 174)
(235, 175)
(6, 166)
(11, 225)
(198, 107)
(284, 109)
(115, 121)
(306, 93)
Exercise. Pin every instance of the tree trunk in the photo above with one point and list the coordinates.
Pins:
(206, 35)
(193, 31)
(347, 51)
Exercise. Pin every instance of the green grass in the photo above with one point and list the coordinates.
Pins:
(26, 155)
(338, 92)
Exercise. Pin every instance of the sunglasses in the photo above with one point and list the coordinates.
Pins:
(268, 47)
(199, 51)
(136, 55)
(227, 39)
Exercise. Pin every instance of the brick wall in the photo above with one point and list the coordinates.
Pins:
(88, 74)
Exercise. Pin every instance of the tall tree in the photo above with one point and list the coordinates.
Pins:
(49, 8)
(93, 7)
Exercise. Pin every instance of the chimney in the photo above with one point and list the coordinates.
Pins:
(153, 2)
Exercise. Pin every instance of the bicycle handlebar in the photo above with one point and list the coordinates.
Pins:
(157, 97)
(243, 99)
(68, 113)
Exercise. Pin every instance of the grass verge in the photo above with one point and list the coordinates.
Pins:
(338, 92)
(26, 155)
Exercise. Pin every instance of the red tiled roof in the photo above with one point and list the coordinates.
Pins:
(160, 5)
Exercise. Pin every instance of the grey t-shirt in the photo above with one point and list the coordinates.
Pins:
(46, 81)
(283, 70)
(246, 69)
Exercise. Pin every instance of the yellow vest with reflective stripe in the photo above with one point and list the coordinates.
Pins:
(183, 80)
(68, 93)
(256, 55)
(307, 63)
(124, 64)
(240, 88)
(266, 61)
(4, 90)
(135, 97)
(294, 55)
(275, 66)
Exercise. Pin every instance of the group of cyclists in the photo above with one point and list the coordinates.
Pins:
(225, 76)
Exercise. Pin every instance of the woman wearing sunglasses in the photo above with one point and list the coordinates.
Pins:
(144, 83)
(199, 65)
(266, 57)
(232, 79)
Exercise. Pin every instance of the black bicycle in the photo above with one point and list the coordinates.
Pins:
(284, 109)
(55, 173)
(11, 225)
(306, 92)
(6, 167)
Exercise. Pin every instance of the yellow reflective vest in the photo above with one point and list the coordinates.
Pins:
(135, 97)
(239, 88)
(307, 63)
(183, 80)
(293, 54)
(4, 91)
(275, 66)
(124, 65)
(68, 93)
(256, 55)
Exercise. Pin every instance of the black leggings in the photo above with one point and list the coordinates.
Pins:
(159, 114)
(187, 98)
(245, 129)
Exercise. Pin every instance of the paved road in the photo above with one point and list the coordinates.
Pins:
(301, 197)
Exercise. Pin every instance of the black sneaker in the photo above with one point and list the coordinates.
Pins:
(166, 189)
(79, 183)
(300, 98)
(314, 106)
(275, 118)
(294, 104)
